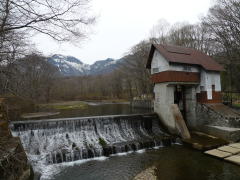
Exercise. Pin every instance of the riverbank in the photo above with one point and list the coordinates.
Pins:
(69, 109)
(13, 159)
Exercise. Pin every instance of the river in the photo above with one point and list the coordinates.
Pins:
(172, 163)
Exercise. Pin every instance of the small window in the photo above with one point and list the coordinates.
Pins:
(187, 68)
(155, 70)
(213, 87)
(201, 88)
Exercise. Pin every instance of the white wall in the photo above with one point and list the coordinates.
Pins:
(164, 97)
(186, 68)
(158, 61)
(209, 78)
(159, 64)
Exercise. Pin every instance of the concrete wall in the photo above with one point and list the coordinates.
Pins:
(164, 97)
(221, 122)
(209, 78)
(221, 115)
(191, 102)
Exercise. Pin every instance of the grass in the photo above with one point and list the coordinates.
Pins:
(102, 142)
(65, 105)
(236, 105)
(68, 107)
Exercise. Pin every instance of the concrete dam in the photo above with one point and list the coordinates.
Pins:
(54, 141)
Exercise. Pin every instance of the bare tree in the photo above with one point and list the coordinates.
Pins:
(134, 68)
(59, 19)
(159, 32)
(223, 20)
(32, 77)
(62, 20)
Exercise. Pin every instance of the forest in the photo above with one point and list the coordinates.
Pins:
(24, 72)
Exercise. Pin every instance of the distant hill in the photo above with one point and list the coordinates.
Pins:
(71, 66)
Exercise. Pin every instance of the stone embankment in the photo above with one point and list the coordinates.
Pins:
(219, 120)
(13, 160)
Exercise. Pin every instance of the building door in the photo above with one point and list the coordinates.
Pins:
(180, 99)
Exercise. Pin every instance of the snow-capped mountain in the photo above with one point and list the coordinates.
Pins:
(71, 66)
(103, 66)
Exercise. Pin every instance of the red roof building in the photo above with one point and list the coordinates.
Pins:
(183, 76)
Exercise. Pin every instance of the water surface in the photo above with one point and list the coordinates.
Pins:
(173, 163)
(100, 109)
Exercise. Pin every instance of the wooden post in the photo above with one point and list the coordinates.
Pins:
(180, 123)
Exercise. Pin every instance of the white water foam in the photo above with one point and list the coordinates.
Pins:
(49, 171)
(48, 143)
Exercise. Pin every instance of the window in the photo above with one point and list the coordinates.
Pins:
(213, 87)
(187, 68)
(155, 70)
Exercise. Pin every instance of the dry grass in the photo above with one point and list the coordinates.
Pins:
(67, 105)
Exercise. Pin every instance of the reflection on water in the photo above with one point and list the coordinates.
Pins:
(173, 163)
(99, 109)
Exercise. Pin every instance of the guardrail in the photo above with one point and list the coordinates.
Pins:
(231, 97)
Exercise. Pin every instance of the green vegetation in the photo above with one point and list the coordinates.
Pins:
(62, 107)
(102, 142)
(236, 105)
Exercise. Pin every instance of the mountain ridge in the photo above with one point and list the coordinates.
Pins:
(72, 66)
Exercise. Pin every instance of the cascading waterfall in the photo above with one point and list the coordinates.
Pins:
(65, 140)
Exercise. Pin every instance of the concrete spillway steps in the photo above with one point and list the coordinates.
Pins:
(230, 153)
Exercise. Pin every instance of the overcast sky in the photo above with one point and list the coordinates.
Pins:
(122, 24)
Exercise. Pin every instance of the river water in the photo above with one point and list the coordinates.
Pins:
(99, 109)
(174, 163)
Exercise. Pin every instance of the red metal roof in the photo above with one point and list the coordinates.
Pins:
(177, 54)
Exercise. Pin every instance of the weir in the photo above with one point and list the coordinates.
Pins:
(71, 139)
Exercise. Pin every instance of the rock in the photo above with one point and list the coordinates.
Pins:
(166, 142)
(134, 148)
(107, 151)
(235, 145)
(13, 159)
(90, 153)
(197, 146)
(148, 174)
